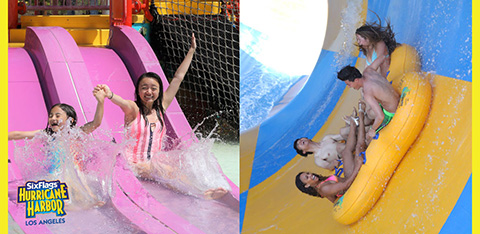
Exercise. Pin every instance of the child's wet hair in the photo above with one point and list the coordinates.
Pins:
(375, 33)
(69, 111)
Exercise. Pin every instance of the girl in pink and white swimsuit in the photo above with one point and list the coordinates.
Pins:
(144, 121)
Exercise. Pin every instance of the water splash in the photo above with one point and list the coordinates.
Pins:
(188, 167)
(260, 89)
(351, 20)
(83, 162)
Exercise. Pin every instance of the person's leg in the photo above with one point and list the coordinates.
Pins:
(347, 118)
(345, 130)
(361, 146)
(347, 153)
(367, 121)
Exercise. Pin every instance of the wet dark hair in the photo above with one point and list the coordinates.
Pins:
(375, 33)
(157, 104)
(69, 110)
(310, 190)
(300, 152)
(349, 73)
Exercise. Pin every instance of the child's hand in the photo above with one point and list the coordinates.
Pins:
(193, 43)
(99, 94)
(106, 89)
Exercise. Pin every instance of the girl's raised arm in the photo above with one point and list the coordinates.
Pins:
(128, 107)
(97, 119)
(179, 75)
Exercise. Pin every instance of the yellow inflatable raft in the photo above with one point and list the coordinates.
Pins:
(384, 154)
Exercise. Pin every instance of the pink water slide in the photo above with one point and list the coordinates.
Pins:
(51, 68)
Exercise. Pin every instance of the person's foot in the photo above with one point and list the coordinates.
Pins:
(352, 116)
(346, 119)
(354, 121)
(99, 204)
(362, 106)
(215, 193)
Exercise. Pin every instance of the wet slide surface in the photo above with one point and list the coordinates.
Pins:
(132, 209)
(430, 191)
(210, 216)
